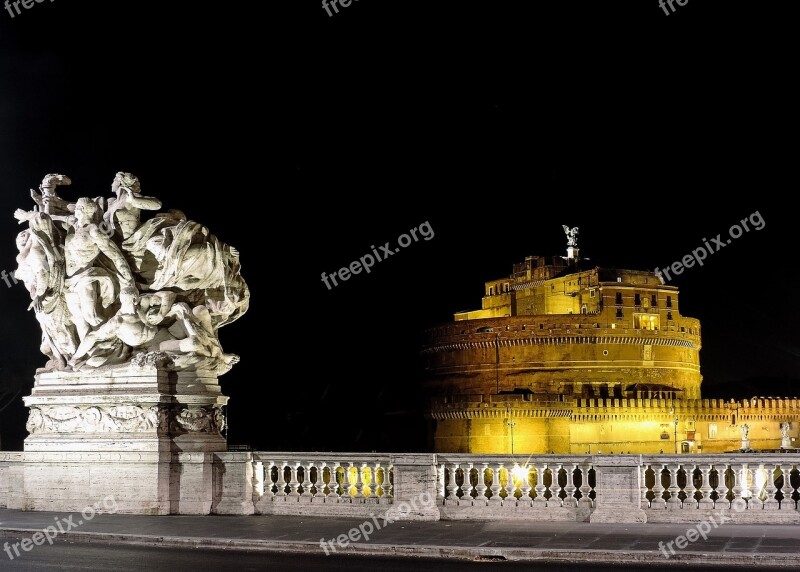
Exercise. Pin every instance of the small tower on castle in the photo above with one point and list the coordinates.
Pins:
(572, 244)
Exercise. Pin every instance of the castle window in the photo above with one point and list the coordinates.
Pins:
(591, 293)
(541, 326)
(653, 301)
(637, 299)
(523, 327)
(712, 430)
(669, 315)
(506, 287)
(619, 313)
(669, 301)
(619, 298)
(619, 278)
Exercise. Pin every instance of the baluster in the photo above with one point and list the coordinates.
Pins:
(388, 487)
(333, 483)
(306, 494)
(319, 484)
(452, 485)
(788, 486)
(738, 489)
(785, 502)
(366, 481)
(722, 488)
(525, 487)
(362, 483)
(268, 478)
(539, 500)
(553, 488)
(691, 489)
(258, 479)
(355, 481)
(441, 490)
(480, 488)
(466, 486)
(644, 488)
(706, 502)
(673, 502)
(281, 484)
(770, 503)
(496, 487)
(569, 501)
(511, 487)
(372, 483)
(748, 482)
(658, 487)
(585, 499)
(293, 482)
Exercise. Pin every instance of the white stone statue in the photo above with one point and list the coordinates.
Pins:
(108, 289)
(40, 266)
(745, 431)
(48, 200)
(124, 211)
(786, 441)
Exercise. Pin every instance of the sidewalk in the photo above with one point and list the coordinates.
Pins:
(728, 545)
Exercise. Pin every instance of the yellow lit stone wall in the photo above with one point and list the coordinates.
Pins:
(612, 426)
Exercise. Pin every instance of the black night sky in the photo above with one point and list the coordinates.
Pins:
(304, 139)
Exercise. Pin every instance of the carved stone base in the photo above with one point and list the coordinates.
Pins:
(142, 436)
(125, 409)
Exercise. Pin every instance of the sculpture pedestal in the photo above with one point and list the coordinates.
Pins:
(142, 435)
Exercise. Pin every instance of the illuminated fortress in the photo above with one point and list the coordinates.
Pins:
(568, 357)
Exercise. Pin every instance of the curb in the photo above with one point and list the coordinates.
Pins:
(710, 559)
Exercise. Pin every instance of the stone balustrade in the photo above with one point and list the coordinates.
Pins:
(544, 487)
(744, 488)
(328, 483)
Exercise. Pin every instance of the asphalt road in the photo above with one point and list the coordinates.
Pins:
(68, 555)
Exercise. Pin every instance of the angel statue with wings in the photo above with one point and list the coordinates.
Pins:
(572, 235)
